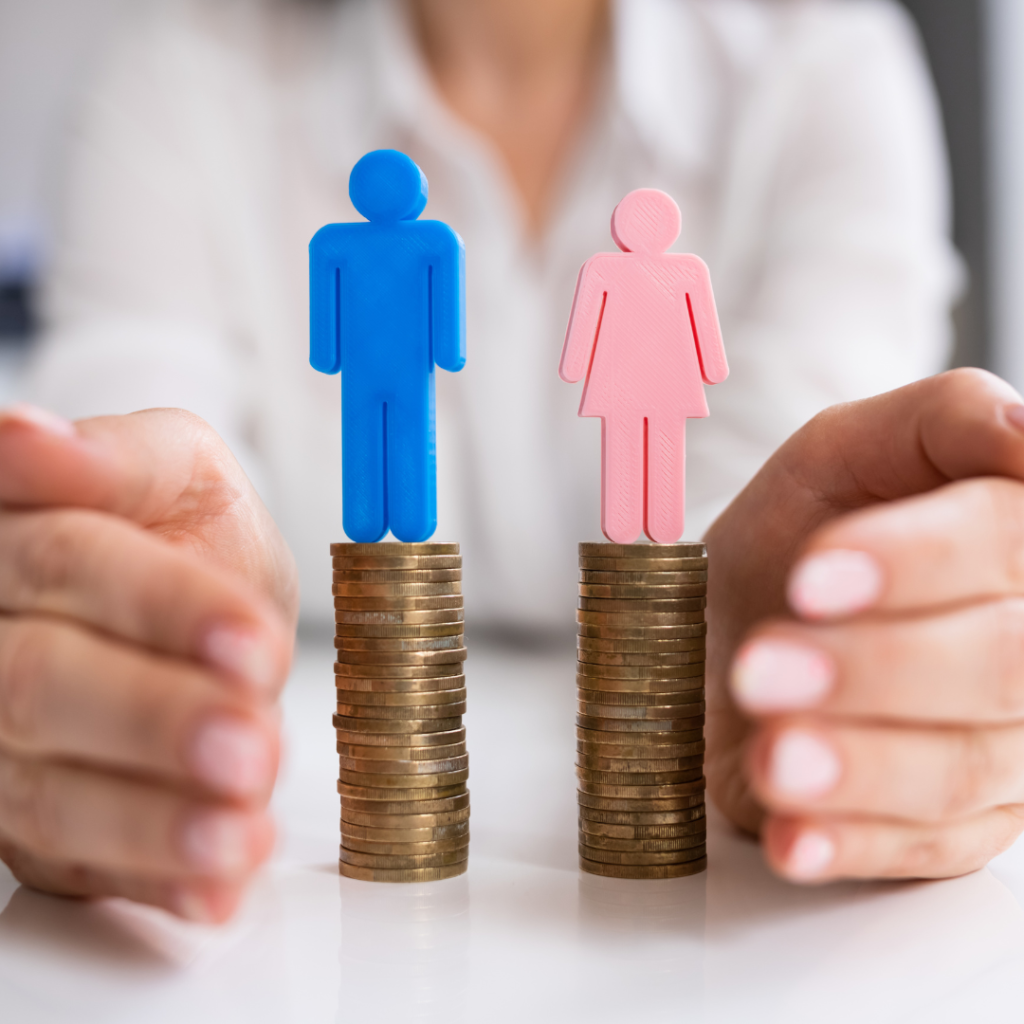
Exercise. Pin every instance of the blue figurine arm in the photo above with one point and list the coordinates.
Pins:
(448, 299)
(326, 266)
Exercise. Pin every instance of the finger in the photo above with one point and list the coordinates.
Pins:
(923, 775)
(111, 573)
(963, 666)
(960, 542)
(203, 900)
(826, 849)
(957, 425)
(70, 694)
(165, 469)
(75, 816)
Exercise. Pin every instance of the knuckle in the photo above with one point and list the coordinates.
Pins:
(969, 774)
(47, 556)
(1006, 647)
(29, 807)
(24, 650)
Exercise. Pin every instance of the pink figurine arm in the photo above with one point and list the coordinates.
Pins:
(584, 323)
(707, 334)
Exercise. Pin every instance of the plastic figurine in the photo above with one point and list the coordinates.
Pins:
(644, 331)
(387, 303)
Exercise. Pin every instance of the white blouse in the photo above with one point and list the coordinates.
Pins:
(800, 138)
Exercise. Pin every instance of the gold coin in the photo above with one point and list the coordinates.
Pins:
(636, 753)
(391, 741)
(360, 764)
(604, 646)
(647, 740)
(631, 871)
(378, 575)
(377, 780)
(431, 860)
(640, 725)
(605, 803)
(683, 549)
(642, 793)
(616, 778)
(368, 630)
(593, 842)
(405, 849)
(421, 711)
(643, 579)
(644, 606)
(405, 700)
(637, 671)
(679, 684)
(645, 594)
(651, 713)
(644, 565)
(619, 660)
(420, 643)
(399, 590)
(437, 603)
(634, 765)
(399, 726)
(602, 856)
(413, 658)
(433, 684)
(679, 817)
(429, 834)
(696, 630)
(680, 698)
(399, 562)
(624, 713)
(342, 668)
(388, 796)
(414, 875)
(392, 550)
(347, 616)
(641, 832)
(639, 619)
(438, 753)
(405, 821)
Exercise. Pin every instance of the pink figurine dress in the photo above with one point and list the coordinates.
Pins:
(644, 331)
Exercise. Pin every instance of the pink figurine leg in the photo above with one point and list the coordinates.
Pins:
(622, 479)
(666, 465)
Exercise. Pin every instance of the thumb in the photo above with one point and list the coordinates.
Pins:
(165, 469)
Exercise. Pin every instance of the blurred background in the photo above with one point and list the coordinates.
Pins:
(976, 50)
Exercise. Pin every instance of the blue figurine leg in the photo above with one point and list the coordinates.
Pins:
(363, 459)
(412, 468)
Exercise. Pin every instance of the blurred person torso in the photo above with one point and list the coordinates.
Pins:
(800, 139)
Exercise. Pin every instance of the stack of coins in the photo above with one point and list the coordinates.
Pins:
(640, 727)
(401, 696)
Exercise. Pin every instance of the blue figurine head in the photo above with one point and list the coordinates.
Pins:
(386, 187)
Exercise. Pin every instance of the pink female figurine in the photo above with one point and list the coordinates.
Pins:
(644, 331)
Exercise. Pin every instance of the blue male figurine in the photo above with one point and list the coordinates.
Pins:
(387, 302)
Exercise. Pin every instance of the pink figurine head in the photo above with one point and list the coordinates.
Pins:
(646, 221)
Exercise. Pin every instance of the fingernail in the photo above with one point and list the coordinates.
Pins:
(835, 583)
(803, 765)
(810, 856)
(217, 842)
(41, 419)
(241, 652)
(231, 757)
(771, 675)
(1015, 415)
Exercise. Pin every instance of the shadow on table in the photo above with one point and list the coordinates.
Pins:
(82, 929)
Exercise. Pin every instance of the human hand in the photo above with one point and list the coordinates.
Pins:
(866, 633)
(147, 612)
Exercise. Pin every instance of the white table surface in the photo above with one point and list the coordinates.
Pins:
(523, 936)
